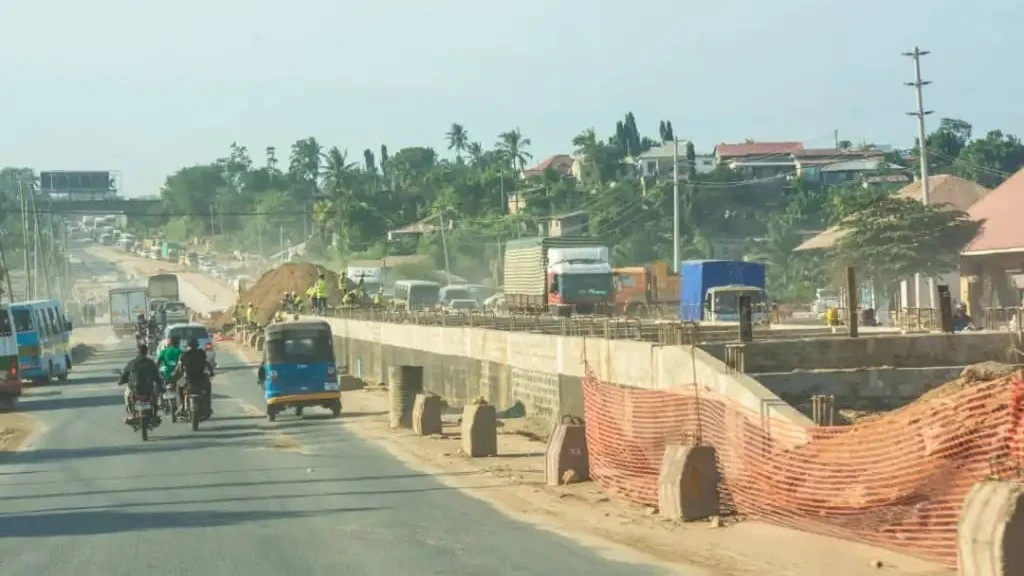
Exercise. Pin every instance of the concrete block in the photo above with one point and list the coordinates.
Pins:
(426, 414)
(688, 483)
(251, 341)
(348, 383)
(260, 341)
(479, 430)
(406, 383)
(990, 533)
(566, 459)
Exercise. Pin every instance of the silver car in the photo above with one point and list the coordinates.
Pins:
(186, 332)
(177, 312)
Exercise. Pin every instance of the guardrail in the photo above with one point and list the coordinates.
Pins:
(665, 332)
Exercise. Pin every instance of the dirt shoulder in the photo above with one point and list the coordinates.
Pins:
(15, 429)
(514, 483)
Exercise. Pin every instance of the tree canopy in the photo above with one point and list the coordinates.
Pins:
(343, 204)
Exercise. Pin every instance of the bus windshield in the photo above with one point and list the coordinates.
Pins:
(22, 320)
(728, 302)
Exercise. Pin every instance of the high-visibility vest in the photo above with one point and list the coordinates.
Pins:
(320, 288)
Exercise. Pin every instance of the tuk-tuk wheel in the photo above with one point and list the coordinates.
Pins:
(336, 408)
(271, 413)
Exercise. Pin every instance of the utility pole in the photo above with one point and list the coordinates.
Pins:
(675, 205)
(36, 253)
(444, 248)
(922, 147)
(4, 269)
(24, 231)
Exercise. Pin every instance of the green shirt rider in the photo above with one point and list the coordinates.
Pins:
(168, 358)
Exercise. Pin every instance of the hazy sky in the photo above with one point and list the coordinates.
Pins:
(146, 87)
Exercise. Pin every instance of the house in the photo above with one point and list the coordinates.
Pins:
(561, 163)
(572, 224)
(994, 261)
(957, 193)
(838, 165)
(759, 159)
(428, 225)
(657, 162)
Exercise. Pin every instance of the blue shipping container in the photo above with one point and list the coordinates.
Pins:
(697, 276)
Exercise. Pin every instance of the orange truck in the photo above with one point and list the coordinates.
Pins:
(646, 291)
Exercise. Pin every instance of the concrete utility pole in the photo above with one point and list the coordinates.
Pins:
(675, 205)
(29, 279)
(918, 84)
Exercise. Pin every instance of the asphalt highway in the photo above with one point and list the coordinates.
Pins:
(243, 496)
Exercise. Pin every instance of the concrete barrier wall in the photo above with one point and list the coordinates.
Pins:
(895, 350)
(544, 372)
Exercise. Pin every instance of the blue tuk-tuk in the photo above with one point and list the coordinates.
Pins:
(298, 368)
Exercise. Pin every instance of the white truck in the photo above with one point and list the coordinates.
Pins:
(125, 306)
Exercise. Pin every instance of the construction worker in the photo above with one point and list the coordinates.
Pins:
(296, 303)
(250, 315)
(320, 289)
(378, 299)
(343, 281)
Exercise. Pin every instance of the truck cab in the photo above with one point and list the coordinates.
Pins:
(585, 285)
(722, 304)
(645, 290)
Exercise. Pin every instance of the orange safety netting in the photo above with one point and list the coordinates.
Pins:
(897, 481)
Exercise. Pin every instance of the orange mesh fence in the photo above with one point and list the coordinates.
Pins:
(897, 480)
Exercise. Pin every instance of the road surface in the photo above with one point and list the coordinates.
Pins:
(243, 496)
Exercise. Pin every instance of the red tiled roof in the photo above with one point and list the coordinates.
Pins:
(757, 149)
(559, 162)
(1001, 210)
(837, 152)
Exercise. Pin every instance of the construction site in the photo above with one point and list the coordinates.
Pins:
(876, 438)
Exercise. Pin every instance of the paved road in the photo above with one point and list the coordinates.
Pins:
(92, 498)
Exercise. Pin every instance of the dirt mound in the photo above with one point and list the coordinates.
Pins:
(970, 376)
(266, 293)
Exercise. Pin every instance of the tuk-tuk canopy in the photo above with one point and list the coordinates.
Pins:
(299, 343)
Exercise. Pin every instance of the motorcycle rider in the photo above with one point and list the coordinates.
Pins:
(195, 367)
(153, 328)
(168, 361)
(141, 375)
(141, 326)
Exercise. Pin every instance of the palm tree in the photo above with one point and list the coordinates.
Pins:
(304, 164)
(337, 172)
(458, 140)
(323, 214)
(476, 152)
(511, 146)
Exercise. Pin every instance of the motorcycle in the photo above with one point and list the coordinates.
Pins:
(169, 401)
(143, 418)
(193, 410)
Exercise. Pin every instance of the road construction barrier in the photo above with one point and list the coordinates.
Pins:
(991, 528)
(565, 459)
(426, 414)
(898, 480)
(405, 382)
(688, 482)
(479, 430)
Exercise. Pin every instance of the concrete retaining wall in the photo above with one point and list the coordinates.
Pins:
(541, 371)
(892, 350)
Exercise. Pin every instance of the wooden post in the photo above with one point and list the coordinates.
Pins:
(851, 300)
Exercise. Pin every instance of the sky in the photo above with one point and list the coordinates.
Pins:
(145, 88)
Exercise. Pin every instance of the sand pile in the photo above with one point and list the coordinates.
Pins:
(267, 292)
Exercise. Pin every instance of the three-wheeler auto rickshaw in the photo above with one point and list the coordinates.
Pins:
(298, 368)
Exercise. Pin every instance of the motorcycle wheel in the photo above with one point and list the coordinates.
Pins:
(193, 413)
(174, 410)
(144, 426)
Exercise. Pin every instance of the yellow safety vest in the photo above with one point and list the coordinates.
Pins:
(320, 288)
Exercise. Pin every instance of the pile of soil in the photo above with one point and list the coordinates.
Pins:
(266, 293)
(970, 376)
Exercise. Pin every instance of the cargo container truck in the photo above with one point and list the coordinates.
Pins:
(710, 290)
(646, 291)
(559, 274)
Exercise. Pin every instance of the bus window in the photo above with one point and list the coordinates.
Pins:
(5, 324)
(54, 328)
(41, 325)
(22, 320)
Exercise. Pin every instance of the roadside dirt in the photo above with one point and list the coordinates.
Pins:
(15, 428)
(514, 483)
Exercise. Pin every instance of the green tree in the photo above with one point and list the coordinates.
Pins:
(511, 148)
(895, 237)
(458, 140)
